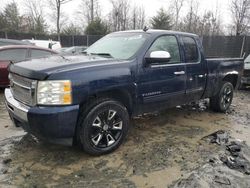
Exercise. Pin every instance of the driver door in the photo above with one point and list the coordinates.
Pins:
(162, 84)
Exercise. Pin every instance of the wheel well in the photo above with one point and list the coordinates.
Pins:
(232, 78)
(122, 96)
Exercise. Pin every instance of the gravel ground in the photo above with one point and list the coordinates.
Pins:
(165, 149)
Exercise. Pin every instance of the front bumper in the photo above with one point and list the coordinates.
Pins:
(245, 80)
(50, 123)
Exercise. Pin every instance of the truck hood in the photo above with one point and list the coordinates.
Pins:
(40, 69)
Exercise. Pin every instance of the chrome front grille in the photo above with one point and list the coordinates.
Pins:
(23, 89)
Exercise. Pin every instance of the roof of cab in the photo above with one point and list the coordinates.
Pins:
(159, 32)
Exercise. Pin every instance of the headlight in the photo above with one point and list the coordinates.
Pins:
(54, 92)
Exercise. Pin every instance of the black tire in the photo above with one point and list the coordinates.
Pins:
(222, 101)
(103, 127)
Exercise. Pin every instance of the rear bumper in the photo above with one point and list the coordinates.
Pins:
(50, 123)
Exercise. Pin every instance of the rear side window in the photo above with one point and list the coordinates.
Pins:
(13, 54)
(39, 53)
(191, 50)
(169, 44)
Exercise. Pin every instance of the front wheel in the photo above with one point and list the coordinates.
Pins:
(222, 101)
(104, 127)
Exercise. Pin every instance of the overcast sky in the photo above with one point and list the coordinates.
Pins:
(151, 7)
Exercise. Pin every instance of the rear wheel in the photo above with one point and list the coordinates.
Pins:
(222, 101)
(104, 127)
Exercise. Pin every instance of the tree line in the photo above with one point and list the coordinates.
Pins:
(122, 16)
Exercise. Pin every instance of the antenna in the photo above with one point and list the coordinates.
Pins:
(145, 29)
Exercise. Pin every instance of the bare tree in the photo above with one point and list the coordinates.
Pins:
(34, 8)
(177, 5)
(90, 9)
(217, 28)
(35, 16)
(138, 17)
(240, 10)
(119, 15)
(56, 6)
(209, 25)
(191, 20)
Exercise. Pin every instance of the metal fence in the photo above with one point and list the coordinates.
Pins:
(79, 40)
(214, 46)
(226, 46)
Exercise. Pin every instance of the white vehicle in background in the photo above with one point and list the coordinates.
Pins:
(54, 45)
(245, 80)
(73, 50)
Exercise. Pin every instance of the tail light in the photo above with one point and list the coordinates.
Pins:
(3, 66)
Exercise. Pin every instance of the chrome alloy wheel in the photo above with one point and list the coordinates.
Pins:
(106, 129)
(226, 97)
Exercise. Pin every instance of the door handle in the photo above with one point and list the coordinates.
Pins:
(179, 73)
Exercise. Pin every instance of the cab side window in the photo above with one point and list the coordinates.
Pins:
(191, 51)
(39, 53)
(169, 44)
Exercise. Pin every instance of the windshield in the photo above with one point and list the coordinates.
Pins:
(118, 45)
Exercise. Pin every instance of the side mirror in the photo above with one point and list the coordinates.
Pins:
(158, 57)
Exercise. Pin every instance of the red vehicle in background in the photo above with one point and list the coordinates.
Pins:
(16, 53)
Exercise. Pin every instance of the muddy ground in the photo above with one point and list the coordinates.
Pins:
(166, 149)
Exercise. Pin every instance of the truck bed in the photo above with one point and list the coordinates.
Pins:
(219, 68)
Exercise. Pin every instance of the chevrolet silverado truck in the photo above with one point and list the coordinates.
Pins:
(89, 99)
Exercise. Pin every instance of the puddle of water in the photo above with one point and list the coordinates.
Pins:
(159, 179)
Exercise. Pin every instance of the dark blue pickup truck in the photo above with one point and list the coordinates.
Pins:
(89, 99)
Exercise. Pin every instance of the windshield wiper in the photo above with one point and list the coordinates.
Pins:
(103, 54)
